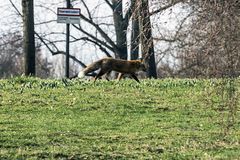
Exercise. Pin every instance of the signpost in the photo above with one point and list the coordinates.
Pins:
(69, 16)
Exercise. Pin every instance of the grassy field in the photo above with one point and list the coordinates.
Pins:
(157, 119)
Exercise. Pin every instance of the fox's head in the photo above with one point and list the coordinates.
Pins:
(143, 66)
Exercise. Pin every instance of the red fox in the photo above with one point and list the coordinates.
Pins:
(106, 65)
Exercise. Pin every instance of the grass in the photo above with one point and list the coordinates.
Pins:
(157, 119)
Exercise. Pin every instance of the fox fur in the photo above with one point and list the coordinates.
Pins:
(106, 65)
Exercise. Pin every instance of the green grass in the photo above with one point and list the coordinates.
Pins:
(157, 119)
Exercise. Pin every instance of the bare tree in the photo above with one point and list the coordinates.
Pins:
(12, 57)
(211, 49)
(29, 38)
(110, 36)
(147, 39)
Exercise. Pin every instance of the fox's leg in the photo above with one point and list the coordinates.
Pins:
(120, 75)
(135, 77)
(107, 75)
(101, 72)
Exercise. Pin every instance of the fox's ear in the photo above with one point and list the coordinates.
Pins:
(141, 59)
(145, 63)
(146, 57)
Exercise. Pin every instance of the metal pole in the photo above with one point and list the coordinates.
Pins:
(67, 44)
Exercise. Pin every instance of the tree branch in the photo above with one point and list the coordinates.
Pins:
(166, 7)
(109, 4)
(89, 14)
(99, 29)
(100, 46)
(130, 11)
(42, 40)
(71, 56)
(16, 9)
(94, 38)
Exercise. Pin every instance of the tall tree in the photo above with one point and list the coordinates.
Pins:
(120, 24)
(147, 39)
(134, 52)
(28, 35)
(212, 47)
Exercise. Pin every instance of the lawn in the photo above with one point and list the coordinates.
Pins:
(157, 119)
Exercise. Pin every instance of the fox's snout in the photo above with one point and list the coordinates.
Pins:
(143, 67)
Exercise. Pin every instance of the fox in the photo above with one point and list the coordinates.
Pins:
(106, 65)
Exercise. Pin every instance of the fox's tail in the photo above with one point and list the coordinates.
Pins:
(81, 74)
(91, 68)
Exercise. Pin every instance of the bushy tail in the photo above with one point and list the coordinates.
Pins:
(91, 68)
(81, 74)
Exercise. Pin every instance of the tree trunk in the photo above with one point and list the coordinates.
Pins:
(28, 36)
(134, 38)
(147, 40)
(120, 29)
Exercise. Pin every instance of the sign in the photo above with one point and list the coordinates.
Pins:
(68, 15)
